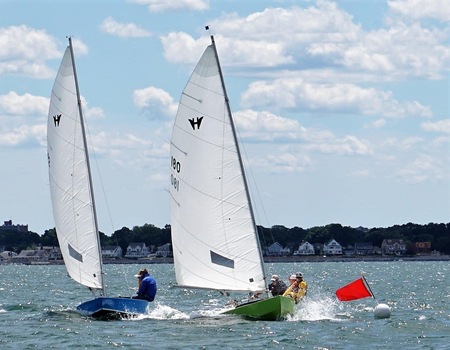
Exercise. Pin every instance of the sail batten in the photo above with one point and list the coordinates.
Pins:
(214, 237)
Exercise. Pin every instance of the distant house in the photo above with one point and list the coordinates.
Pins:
(276, 249)
(30, 256)
(318, 248)
(164, 251)
(54, 253)
(364, 248)
(305, 248)
(332, 248)
(7, 255)
(112, 252)
(136, 250)
(422, 248)
(393, 246)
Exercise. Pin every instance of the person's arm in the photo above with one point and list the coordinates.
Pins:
(288, 291)
(142, 287)
(301, 291)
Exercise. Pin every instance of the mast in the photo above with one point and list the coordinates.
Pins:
(91, 190)
(230, 116)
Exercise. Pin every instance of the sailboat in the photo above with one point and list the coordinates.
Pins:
(214, 235)
(72, 196)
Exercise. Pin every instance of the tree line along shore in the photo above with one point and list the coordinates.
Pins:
(437, 234)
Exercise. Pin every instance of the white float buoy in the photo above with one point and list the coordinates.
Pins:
(382, 311)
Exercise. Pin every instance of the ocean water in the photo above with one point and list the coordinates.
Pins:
(37, 306)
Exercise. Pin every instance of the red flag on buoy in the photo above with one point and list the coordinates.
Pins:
(355, 290)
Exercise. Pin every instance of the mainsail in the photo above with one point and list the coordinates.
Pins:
(70, 184)
(214, 237)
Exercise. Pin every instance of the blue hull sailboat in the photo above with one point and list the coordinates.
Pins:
(73, 197)
(107, 308)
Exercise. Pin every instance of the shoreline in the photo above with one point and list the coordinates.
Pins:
(344, 258)
(291, 259)
(267, 259)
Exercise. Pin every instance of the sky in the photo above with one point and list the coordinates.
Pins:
(342, 107)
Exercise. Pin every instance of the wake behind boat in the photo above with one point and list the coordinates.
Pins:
(73, 198)
(214, 236)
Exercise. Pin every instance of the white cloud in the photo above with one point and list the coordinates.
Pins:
(27, 104)
(284, 162)
(344, 98)
(155, 102)
(267, 126)
(128, 150)
(394, 145)
(24, 50)
(18, 113)
(23, 135)
(417, 9)
(398, 51)
(122, 30)
(118, 144)
(182, 48)
(79, 48)
(164, 5)
(377, 124)
(321, 36)
(322, 22)
(442, 126)
(91, 112)
(300, 157)
(347, 145)
(421, 169)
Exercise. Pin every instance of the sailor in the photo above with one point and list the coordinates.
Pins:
(147, 286)
(276, 286)
(291, 279)
(297, 289)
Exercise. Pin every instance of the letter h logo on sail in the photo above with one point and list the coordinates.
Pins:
(196, 122)
(56, 119)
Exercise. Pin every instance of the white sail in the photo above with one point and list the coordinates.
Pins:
(70, 185)
(213, 232)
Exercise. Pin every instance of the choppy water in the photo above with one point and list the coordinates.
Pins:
(37, 303)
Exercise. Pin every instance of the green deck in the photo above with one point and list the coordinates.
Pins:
(270, 309)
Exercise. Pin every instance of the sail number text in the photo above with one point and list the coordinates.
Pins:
(176, 166)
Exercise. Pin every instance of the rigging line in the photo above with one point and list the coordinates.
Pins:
(256, 191)
(126, 280)
(94, 155)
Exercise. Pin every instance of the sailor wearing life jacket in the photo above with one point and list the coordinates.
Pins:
(298, 289)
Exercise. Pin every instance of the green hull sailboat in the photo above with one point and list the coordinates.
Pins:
(270, 309)
(214, 236)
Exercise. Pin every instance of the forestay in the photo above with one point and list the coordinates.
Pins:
(70, 186)
(213, 233)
